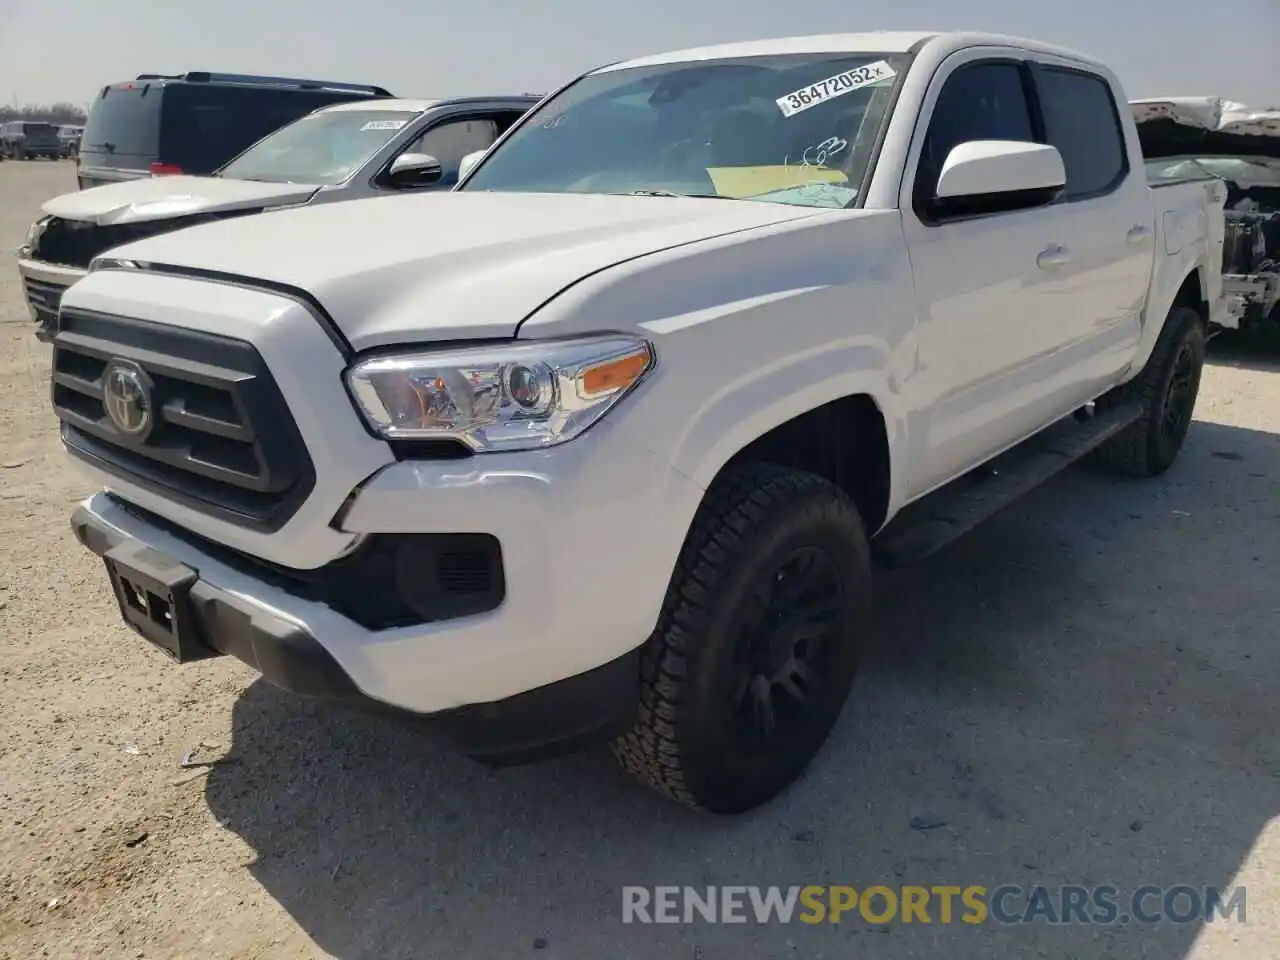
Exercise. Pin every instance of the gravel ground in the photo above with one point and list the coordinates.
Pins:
(1076, 694)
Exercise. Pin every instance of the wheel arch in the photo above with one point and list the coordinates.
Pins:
(847, 440)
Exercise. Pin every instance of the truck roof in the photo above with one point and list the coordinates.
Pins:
(879, 41)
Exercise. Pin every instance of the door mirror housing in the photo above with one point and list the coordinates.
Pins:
(998, 176)
(469, 162)
(414, 170)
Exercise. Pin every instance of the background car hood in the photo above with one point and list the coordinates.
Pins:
(1176, 126)
(159, 198)
(440, 266)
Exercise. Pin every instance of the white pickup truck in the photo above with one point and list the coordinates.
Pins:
(602, 444)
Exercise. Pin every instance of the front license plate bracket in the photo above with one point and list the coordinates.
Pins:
(153, 592)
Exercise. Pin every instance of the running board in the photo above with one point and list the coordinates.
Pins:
(923, 528)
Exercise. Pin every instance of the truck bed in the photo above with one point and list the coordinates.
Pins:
(1189, 225)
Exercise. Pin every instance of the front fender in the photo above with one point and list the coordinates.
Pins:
(756, 328)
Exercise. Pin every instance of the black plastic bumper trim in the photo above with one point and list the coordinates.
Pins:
(548, 721)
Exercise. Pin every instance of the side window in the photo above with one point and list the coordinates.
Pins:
(452, 140)
(981, 101)
(1080, 120)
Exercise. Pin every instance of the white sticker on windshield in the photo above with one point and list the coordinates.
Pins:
(799, 100)
(383, 125)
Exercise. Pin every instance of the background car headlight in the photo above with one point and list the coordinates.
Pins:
(33, 237)
(519, 396)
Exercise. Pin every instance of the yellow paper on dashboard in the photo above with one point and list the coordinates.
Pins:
(739, 182)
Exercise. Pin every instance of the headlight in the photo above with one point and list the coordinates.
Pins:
(520, 396)
(33, 237)
(112, 263)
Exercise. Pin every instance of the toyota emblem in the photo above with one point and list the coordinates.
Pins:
(126, 398)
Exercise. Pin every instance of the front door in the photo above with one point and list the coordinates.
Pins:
(991, 319)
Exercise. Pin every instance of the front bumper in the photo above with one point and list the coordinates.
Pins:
(280, 642)
(589, 536)
(43, 285)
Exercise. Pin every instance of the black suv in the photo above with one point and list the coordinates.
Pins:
(193, 122)
(27, 140)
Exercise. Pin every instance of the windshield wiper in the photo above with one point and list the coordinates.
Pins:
(671, 193)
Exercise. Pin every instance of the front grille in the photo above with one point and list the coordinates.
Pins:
(43, 297)
(73, 243)
(222, 439)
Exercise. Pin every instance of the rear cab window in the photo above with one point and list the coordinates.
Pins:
(1081, 119)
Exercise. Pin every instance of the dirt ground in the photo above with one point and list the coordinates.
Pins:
(1078, 693)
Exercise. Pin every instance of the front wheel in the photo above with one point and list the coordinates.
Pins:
(1167, 389)
(758, 643)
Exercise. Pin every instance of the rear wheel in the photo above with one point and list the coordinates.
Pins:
(1167, 389)
(758, 644)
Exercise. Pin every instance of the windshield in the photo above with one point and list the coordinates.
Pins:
(321, 148)
(795, 129)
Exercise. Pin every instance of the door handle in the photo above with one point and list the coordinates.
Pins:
(1053, 256)
(1138, 234)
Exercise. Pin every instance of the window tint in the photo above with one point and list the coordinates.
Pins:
(205, 125)
(123, 129)
(984, 101)
(1080, 120)
(452, 140)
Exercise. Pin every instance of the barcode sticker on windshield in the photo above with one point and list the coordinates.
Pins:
(383, 125)
(799, 100)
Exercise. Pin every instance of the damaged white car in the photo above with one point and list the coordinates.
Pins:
(1187, 138)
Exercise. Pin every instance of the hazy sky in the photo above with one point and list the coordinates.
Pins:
(66, 49)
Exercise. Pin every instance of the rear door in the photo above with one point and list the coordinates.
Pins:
(1105, 222)
(121, 136)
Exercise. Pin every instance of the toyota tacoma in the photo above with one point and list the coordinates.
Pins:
(603, 444)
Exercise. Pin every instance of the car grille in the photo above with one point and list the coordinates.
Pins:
(222, 440)
(43, 297)
(74, 243)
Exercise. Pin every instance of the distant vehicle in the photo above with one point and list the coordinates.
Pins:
(1190, 138)
(340, 152)
(69, 138)
(29, 140)
(194, 122)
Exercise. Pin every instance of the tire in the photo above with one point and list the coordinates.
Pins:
(1167, 388)
(764, 538)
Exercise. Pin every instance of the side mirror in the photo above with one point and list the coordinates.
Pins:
(414, 170)
(469, 162)
(998, 176)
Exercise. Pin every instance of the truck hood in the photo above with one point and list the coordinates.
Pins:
(1210, 126)
(463, 265)
(163, 198)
